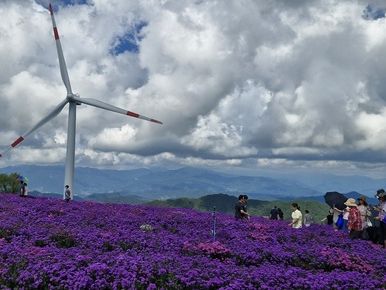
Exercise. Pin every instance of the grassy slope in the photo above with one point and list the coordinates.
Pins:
(225, 203)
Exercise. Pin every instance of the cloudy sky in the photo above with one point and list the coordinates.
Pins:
(243, 85)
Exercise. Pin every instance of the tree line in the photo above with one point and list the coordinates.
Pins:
(9, 182)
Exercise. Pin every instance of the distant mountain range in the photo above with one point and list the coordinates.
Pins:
(141, 185)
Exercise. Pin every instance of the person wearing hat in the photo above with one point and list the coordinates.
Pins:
(354, 219)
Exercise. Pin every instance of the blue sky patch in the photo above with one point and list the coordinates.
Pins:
(56, 3)
(129, 41)
(373, 13)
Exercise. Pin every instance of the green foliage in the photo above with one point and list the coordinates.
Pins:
(9, 183)
(3, 182)
(7, 233)
(40, 243)
(107, 246)
(14, 182)
(63, 240)
(178, 202)
(225, 203)
(13, 273)
(317, 209)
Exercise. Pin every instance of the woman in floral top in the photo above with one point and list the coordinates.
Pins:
(354, 219)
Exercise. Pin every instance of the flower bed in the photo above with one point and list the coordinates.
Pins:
(48, 243)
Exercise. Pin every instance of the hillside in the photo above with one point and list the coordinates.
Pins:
(225, 203)
(48, 243)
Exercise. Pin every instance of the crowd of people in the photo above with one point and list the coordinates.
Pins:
(276, 213)
(360, 220)
(357, 218)
(23, 191)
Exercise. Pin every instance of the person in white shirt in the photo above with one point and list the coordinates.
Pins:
(297, 217)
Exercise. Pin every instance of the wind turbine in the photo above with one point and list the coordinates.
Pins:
(73, 100)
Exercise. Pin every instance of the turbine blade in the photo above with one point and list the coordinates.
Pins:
(62, 62)
(105, 106)
(43, 121)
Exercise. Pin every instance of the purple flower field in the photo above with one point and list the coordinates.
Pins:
(51, 244)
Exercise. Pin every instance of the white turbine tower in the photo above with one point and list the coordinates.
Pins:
(73, 100)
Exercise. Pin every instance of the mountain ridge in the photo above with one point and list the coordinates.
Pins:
(159, 183)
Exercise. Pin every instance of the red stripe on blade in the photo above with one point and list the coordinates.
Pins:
(56, 33)
(132, 114)
(20, 139)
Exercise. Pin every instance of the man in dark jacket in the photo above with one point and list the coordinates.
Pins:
(240, 208)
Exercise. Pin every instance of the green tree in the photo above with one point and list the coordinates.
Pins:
(14, 183)
(3, 182)
(9, 183)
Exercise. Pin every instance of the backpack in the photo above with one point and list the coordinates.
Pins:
(339, 223)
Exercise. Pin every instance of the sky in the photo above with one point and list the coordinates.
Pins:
(245, 85)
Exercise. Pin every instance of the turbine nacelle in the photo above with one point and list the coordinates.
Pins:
(70, 98)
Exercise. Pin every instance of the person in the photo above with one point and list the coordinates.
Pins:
(67, 193)
(297, 217)
(354, 224)
(280, 213)
(308, 219)
(240, 207)
(274, 213)
(22, 188)
(330, 217)
(245, 198)
(363, 208)
(336, 213)
(382, 216)
(346, 213)
(25, 189)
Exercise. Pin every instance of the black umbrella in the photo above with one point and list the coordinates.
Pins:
(336, 199)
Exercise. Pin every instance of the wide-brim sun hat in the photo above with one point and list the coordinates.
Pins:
(350, 202)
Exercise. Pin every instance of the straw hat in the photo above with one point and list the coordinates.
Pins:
(350, 202)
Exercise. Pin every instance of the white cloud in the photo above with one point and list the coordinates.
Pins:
(113, 137)
(231, 80)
